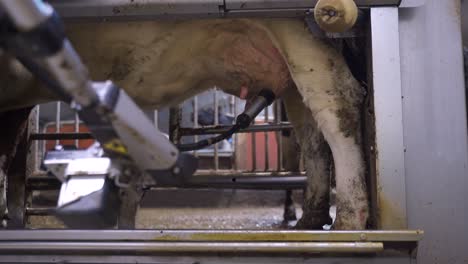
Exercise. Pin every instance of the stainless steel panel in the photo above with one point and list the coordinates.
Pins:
(388, 118)
(412, 3)
(435, 129)
(464, 17)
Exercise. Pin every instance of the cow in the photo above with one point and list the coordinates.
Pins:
(161, 63)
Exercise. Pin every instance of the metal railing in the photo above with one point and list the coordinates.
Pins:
(269, 122)
(215, 173)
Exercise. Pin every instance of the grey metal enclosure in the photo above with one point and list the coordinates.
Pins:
(435, 128)
(420, 151)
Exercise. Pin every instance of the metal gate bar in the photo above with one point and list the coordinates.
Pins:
(200, 182)
(57, 120)
(216, 122)
(195, 120)
(183, 131)
(172, 9)
(279, 137)
(194, 247)
(154, 242)
(177, 132)
(267, 165)
(391, 258)
(212, 235)
(233, 103)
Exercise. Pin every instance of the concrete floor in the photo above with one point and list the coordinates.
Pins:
(204, 209)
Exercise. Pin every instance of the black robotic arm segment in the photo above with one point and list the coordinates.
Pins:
(34, 34)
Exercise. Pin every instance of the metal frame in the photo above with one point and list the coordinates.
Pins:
(213, 235)
(190, 259)
(395, 170)
(391, 200)
(156, 242)
(206, 246)
(435, 129)
(256, 181)
(157, 9)
(391, 192)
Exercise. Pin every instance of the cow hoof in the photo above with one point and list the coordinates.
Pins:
(289, 213)
(335, 15)
(313, 223)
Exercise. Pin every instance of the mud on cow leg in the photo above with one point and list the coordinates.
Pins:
(317, 159)
(339, 122)
(351, 197)
(13, 152)
(317, 162)
(334, 99)
(337, 115)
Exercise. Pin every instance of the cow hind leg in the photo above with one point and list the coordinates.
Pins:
(340, 124)
(333, 97)
(317, 160)
(351, 197)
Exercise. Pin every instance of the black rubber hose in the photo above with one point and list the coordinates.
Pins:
(210, 141)
(262, 100)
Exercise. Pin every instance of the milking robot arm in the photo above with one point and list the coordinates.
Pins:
(36, 37)
(129, 142)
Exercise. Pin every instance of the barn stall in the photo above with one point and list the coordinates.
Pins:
(255, 159)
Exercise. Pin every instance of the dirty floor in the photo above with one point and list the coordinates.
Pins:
(204, 209)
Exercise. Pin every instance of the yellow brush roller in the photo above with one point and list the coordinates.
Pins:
(336, 15)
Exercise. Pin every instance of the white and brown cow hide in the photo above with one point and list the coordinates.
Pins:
(163, 63)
